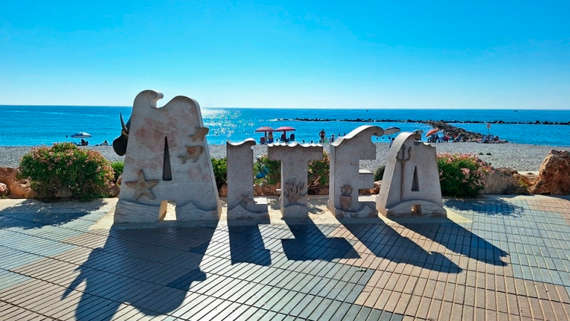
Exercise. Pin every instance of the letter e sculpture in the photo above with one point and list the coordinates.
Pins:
(346, 177)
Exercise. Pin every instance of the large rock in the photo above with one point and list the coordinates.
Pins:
(503, 181)
(554, 174)
(19, 188)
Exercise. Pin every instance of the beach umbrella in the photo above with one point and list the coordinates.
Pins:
(264, 129)
(81, 135)
(431, 132)
(285, 129)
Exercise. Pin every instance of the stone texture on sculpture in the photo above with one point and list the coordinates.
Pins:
(166, 159)
(294, 163)
(410, 185)
(240, 181)
(346, 177)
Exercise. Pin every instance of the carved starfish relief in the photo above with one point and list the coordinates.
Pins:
(192, 153)
(199, 134)
(142, 186)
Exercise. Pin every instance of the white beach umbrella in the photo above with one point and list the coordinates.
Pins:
(81, 135)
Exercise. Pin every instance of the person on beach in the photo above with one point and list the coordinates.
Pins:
(322, 135)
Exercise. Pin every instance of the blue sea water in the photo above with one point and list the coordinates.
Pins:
(44, 125)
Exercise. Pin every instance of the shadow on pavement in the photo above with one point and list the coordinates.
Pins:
(150, 269)
(31, 214)
(311, 244)
(246, 241)
(382, 240)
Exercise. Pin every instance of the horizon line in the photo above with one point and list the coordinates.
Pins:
(339, 108)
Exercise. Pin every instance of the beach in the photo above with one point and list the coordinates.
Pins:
(521, 157)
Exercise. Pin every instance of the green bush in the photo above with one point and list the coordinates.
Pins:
(117, 169)
(318, 172)
(461, 175)
(379, 173)
(269, 169)
(220, 167)
(84, 174)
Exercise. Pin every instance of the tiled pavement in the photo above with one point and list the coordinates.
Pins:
(493, 259)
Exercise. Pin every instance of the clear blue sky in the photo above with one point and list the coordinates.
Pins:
(473, 54)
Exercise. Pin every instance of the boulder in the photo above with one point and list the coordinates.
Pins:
(503, 181)
(19, 188)
(554, 174)
(4, 190)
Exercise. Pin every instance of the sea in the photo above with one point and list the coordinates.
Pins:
(45, 125)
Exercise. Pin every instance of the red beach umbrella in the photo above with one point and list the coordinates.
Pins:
(431, 132)
(285, 129)
(264, 129)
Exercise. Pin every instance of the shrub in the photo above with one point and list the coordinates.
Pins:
(461, 175)
(318, 172)
(220, 167)
(379, 173)
(84, 174)
(267, 171)
(117, 169)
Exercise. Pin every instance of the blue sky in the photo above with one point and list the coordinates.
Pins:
(451, 54)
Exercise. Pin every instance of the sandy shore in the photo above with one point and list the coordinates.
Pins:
(518, 156)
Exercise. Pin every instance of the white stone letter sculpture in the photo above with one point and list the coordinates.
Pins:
(240, 181)
(410, 185)
(346, 177)
(167, 159)
(294, 161)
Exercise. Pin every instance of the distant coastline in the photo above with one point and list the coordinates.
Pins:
(370, 120)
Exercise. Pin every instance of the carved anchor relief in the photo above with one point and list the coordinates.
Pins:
(403, 156)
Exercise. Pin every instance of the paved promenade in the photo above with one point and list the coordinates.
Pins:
(495, 258)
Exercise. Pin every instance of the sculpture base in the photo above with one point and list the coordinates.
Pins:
(135, 212)
(366, 210)
(248, 210)
(414, 208)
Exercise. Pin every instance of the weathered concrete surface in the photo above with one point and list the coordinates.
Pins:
(346, 177)
(240, 181)
(167, 159)
(410, 185)
(294, 161)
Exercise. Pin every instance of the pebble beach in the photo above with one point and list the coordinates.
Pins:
(521, 157)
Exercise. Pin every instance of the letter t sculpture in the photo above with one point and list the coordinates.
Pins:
(294, 161)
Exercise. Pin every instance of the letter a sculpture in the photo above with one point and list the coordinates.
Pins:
(166, 159)
(410, 186)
